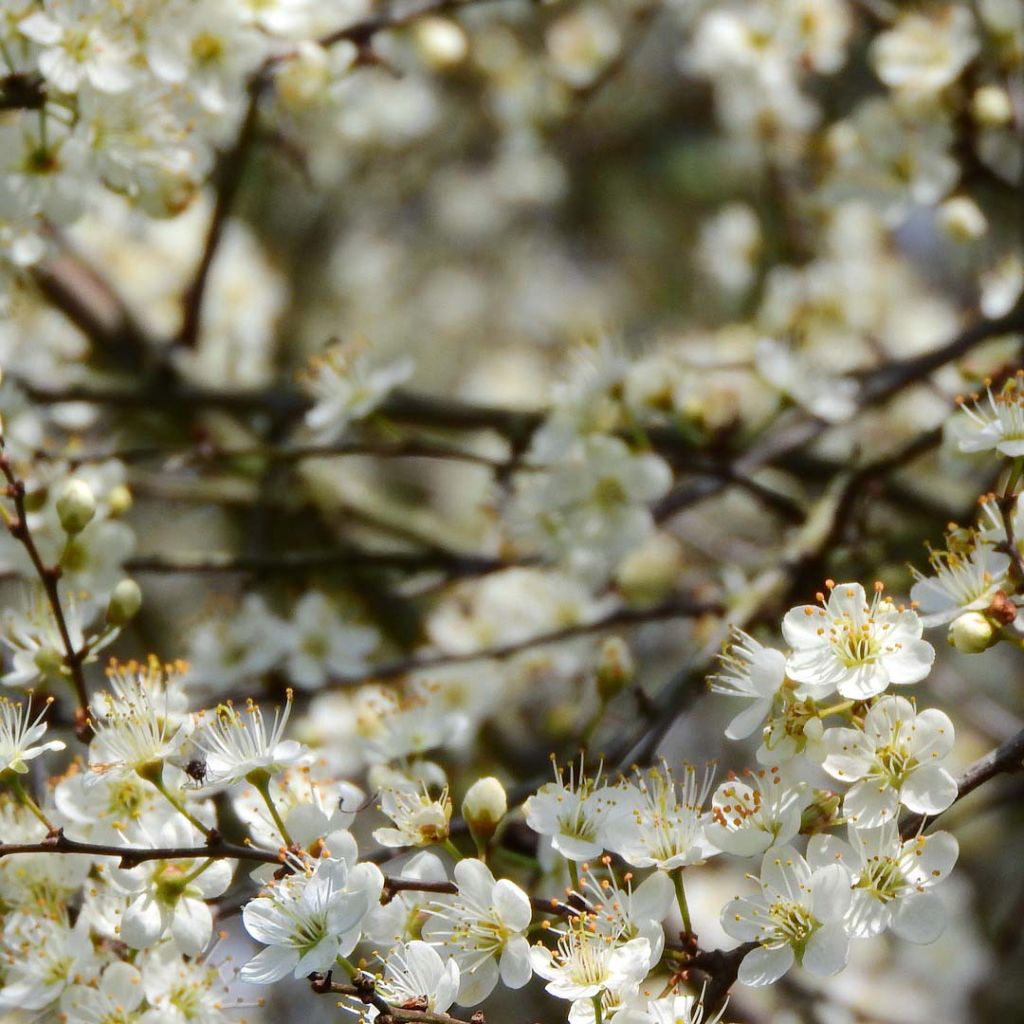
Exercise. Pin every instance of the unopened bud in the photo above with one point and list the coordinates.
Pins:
(649, 573)
(125, 602)
(962, 220)
(821, 814)
(991, 106)
(484, 806)
(441, 41)
(971, 633)
(76, 506)
(615, 668)
(119, 500)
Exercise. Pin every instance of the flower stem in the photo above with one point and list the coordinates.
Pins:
(262, 785)
(179, 806)
(598, 1013)
(198, 871)
(684, 910)
(452, 849)
(23, 795)
(574, 875)
(836, 709)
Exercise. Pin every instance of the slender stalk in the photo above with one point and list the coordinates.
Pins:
(262, 786)
(26, 798)
(179, 805)
(684, 910)
(574, 875)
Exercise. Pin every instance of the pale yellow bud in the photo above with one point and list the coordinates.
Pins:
(962, 220)
(76, 506)
(971, 633)
(484, 806)
(651, 572)
(991, 107)
(615, 668)
(441, 42)
(119, 500)
(125, 602)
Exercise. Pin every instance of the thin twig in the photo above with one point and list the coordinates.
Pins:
(678, 607)
(49, 577)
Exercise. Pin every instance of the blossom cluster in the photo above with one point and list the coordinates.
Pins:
(283, 292)
(157, 774)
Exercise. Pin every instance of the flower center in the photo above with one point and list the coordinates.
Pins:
(854, 644)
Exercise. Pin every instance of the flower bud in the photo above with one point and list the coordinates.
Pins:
(971, 633)
(615, 668)
(76, 506)
(962, 220)
(119, 500)
(649, 573)
(823, 812)
(442, 43)
(484, 806)
(125, 602)
(991, 107)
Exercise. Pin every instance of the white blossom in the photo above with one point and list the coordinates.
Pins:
(853, 646)
(962, 581)
(659, 820)
(574, 815)
(346, 387)
(759, 810)
(483, 930)
(895, 758)
(749, 669)
(237, 745)
(995, 423)
(891, 879)
(19, 732)
(797, 918)
(416, 972)
(306, 920)
(586, 963)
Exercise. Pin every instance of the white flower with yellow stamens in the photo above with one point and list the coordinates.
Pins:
(660, 821)
(993, 425)
(237, 745)
(483, 930)
(855, 646)
(962, 582)
(19, 732)
(895, 758)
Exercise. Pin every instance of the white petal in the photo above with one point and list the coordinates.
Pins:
(748, 720)
(512, 905)
(738, 921)
(477, 985)
(800, 627)
(920, 917)
(144, 921)
(192, 926)
(928, 790)
(911, 663)
(864, 681)
(765, 966)
(270, 965)
(515, 963)
(831, 892)
(827, 950)
(871, 803)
